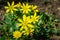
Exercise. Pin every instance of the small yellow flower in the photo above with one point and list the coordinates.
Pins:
(28, 31)
(34, 8)
(34, 18)
(25, 22)
(31, 30)
(10, 8)
(18, 5)
(17, 34)
(35, 11)
(25, 8)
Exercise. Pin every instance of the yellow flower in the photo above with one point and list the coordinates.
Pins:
(25, 8)
(31, 30)
(34, 8)
(17, 34)
(35, 11)
(34, 18)
(25, 22)
(10, 8)
(28, 31)
(18, 5)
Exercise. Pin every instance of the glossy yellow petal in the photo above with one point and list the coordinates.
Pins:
(6, 7)
(29, 6)
(35, 7)
(21, 9)
(21, 28)
(20, 20)
(23, 4)
(8, 3)
(26, 4)
(37, 20)
(18, 5)
(30, 26)
(20, 24)
(31, 30)
(15, 9)
(25, 28)
(31, 16)
(29, 9)
(12, 3)
(26, 11)
(35, 15)
(34, 22)
(26, 32)
(24, 17)
(23, 31)
(7, 10)
(35, 11)
(12, 11)
(28, 18)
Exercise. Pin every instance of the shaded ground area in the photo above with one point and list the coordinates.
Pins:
(47, 6)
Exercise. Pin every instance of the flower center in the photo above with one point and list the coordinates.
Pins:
(25, 23)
